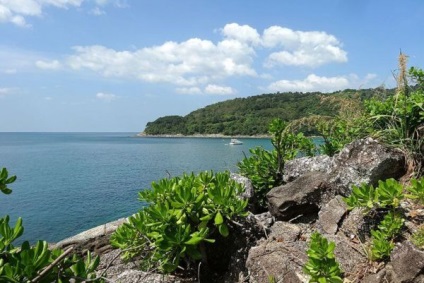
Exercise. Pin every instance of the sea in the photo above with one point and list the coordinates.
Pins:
(70, 182)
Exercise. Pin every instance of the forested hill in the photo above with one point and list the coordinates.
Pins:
(248, 116)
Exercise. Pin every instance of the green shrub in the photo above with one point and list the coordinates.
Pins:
(183, 214)
(37, 263)
(388, 194)
(322, 265)
(265, 168)
(382, 239)
(416, 190)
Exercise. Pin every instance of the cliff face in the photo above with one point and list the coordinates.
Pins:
(274, 244)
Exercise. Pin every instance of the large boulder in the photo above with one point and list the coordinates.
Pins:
(302, 198)
(366, 161)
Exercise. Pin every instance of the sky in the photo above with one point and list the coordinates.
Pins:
(114, 65)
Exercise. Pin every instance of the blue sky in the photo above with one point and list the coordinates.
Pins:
(114, 65)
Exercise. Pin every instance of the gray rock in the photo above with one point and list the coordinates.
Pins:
(115, 270)
(248, 187)
(407, 262)
(295, 168)
(366, 161)
(386, 275)
(302, 197)
(331, 214)
(280, 257)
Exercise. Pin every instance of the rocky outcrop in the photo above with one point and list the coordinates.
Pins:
(312, 201)
(260, 249)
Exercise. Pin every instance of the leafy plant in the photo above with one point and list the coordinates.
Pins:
(362, 196)
(183, 214)
(322, 265)
(416, 190)
(382, 241)
(37, 263)
(6, 180)
(388, 194)
(265, 168)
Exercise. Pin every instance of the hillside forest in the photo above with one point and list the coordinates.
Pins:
(251, 116)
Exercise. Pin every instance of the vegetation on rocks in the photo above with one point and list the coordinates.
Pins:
(182, 216)
(265, 168)
(322, 265)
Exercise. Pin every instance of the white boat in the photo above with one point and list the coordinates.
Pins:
(235, 142)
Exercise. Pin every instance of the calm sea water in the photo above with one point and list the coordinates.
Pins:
(71, 182)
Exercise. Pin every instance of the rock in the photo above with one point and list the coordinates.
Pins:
(295, 168)
(249, 192)
(115, 270)
(301, 198)
(227, 256)
(95, 240)
(407, 262)
(263, 220)
(283, 231)
(331, 214)
(366, 161)
(280, 257)
(349, 254)
(248, 187)
(385, 275)
(283, 254)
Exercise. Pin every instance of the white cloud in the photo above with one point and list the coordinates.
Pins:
(51, 65)
(312, 83)
(16, 11)
(302, 48)
(108, 97)
(242, 33)
(221, 90)
(188, 63)
(199, 66)
(197, 62)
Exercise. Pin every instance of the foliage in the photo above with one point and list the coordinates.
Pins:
(322, 265)
(388, 194)
(5, 181)
(251, 115)
(37, 263)
(265, 168)
(416, 190)
(399, 120)
(418, 237)
(183, 214)
(382, 239)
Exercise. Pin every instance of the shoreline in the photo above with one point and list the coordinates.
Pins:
(143, 135)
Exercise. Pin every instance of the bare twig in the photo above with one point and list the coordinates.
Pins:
(52, 265)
